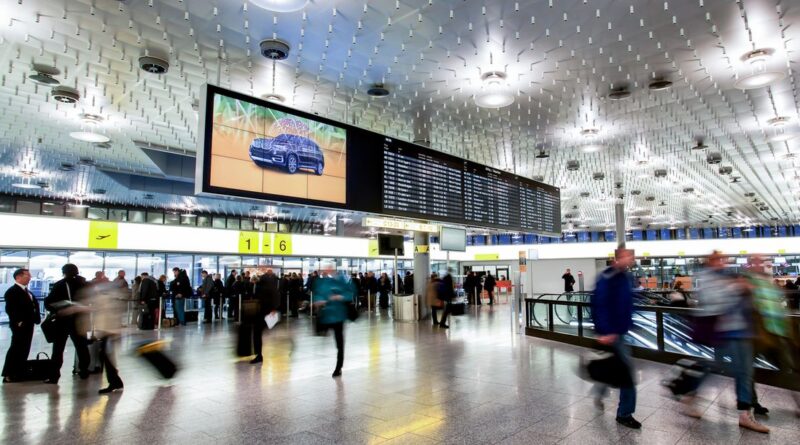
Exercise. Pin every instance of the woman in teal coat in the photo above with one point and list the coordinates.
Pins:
(335, 293)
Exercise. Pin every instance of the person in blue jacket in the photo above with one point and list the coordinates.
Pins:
(612, 312)
(333, 294)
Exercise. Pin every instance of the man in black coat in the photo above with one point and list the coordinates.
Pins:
(23, 314)
(149, 293)
(268, 301)
(489, 284)
(446, 293)
(65, 292)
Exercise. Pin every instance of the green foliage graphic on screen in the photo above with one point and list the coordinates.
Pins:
(259, 149)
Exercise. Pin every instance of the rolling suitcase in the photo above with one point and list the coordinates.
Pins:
(244, 341)
(458, 308)
(145, 319)
(154, 354)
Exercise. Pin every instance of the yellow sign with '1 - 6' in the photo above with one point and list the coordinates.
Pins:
(103, 234)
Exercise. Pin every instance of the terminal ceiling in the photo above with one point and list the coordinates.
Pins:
(562, 59)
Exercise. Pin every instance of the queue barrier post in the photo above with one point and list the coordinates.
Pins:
(160, 311)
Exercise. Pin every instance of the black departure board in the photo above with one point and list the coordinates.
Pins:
(422, 183)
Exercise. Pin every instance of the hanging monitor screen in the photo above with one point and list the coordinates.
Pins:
(453, 239)
(257, 149)
(390, 245)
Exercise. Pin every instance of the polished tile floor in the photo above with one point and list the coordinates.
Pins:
(476, 383)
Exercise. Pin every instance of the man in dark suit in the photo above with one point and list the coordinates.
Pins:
(268, 301)
(23, 314)
(65, 292)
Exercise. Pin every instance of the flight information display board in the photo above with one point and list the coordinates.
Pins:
(422, 183)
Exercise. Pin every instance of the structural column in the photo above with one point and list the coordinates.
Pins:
(339, 226)
(619, 215)
(422, 271)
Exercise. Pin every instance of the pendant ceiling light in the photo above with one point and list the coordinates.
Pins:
(760, 75)
(88, 136)
(280, 5)
(495, 93)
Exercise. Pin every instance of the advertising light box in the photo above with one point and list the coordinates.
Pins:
(257, 149)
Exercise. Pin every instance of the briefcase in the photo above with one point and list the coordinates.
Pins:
(38, 369)
(50, 327)
(607, 368)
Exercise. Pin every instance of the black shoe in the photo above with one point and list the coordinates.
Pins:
(51, 381)
(83, 374)
(258, 359)
(110, 388)
(337, 373)
(629, 421)
(442, 325)
(760, 410)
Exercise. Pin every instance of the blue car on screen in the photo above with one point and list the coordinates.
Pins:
(288, 151)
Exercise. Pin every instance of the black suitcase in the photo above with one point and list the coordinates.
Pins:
(458, 308)
(152, 352)
(685, 376)
(145, 319)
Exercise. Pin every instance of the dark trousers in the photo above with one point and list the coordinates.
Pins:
(258, 331)
(338, 334)
(107, 356)
(206, 309)
(491, 296)
(18, 351)
(447, 310)
(81, 350)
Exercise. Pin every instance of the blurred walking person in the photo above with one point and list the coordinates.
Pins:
(268, 300)
(612, 310)
(728, 309)
(180, 288)
(446, 292)
(774, 337)
(333, 294)
(206, 288)
(489, 284)
(105, 310)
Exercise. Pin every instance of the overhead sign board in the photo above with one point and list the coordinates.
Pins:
(399, 224)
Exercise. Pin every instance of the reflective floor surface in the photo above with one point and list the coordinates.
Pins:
(476, 383)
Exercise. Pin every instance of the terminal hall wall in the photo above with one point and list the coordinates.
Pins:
(546, 274)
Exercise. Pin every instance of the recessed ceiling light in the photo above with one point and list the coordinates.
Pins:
(280, 5)
(590, 132)
(91, 119)
(591, 148)
(87, 136)
(494, 91)
(659, 85)
(378, 90)
(759, 75)
(272, 97)
(779, 121)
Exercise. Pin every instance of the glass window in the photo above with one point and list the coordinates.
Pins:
(203, 221)
(233, 223)
(154, 264)
(207, 263)
(28, 207)
(52, 209)
(228, 263)
(98, 213)
(88, 262)
(172, 219)
(137, 216)
(77, 210)
(155, 217)
(121, 261)
(247, 224)
(45, 266)
(218, 222)
(10, 260)
(188, 220)
(6, 204)
(118, 215)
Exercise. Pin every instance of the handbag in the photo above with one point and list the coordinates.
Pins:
(38, 369)
(605, 367)
(50, 327)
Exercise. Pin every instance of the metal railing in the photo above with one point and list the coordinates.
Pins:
(659, 333)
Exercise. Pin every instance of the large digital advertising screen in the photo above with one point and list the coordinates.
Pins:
(259, 150)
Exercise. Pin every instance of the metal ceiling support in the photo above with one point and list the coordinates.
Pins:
(619, 220)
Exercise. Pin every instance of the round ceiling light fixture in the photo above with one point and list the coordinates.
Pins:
(760, 75)
(378, 90)
(26, 183)
(591, 148)
(44, 74)
(619, 93)
(91, 119)
(779, 121)
(659, 85)
(88, 136)
(65, 95)
(281, 5)
(272, 97)
(590, 132)
(494, 91)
